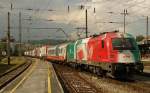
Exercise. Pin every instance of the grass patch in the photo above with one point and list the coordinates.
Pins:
(15, 62)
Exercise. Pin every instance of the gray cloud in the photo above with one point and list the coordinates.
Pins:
(106, 11)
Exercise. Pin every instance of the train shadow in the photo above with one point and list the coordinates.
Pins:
(142, 77)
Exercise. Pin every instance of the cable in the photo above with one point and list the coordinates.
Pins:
(136, 4)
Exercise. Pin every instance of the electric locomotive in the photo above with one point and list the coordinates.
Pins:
(113, 53)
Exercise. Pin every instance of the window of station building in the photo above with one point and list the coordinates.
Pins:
(102, 43)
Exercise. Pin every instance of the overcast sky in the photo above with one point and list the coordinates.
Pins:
(106, 11)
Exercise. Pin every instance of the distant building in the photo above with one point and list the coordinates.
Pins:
(144, 47)
(145, 41)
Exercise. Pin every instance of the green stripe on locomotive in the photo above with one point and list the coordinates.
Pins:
(70, 51)
(132, 49)
(137, 52)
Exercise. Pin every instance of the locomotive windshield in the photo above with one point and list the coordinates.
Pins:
(123, 44)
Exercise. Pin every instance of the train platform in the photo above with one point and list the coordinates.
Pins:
(41, 78)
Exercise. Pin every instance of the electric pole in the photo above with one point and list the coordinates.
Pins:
(68, 8)
(20, 34)
(147, 29)
(86, 22)
(28, 31)
(8, 39)
(125, 13)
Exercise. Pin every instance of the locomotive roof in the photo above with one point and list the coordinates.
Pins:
(85, 40)
(114, 34)
(120, 35)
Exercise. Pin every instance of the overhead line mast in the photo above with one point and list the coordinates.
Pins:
(125, 13)
(147, 23)
(20, 34)
(8, 39)
(86, 22)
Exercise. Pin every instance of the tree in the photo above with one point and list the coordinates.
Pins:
(16, 51)
(139, 38)
(3, 44)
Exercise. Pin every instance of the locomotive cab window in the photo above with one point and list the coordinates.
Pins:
(123, 44)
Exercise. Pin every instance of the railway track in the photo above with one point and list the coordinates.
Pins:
(85, 82)
(73, 82)
(108, 85)
(9, 76)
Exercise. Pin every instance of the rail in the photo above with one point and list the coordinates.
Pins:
(9, 76)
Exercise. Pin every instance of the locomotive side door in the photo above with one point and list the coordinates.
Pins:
(103, 50)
